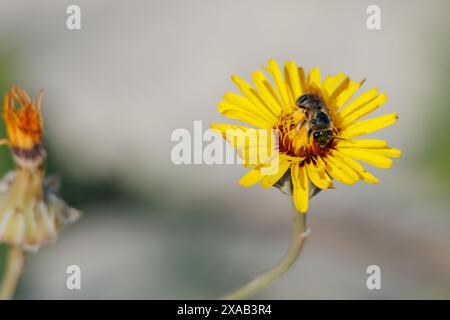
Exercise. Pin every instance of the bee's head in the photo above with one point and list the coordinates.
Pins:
(310, 102)
(322, 138)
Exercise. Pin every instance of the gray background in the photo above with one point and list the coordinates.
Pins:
(137, 70)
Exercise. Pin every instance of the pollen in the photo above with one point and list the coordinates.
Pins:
(294, 140)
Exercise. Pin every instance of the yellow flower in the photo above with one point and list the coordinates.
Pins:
(309, 162)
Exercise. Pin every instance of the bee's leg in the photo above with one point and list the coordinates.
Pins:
(309, 133)
(300, 125)
(299, 113)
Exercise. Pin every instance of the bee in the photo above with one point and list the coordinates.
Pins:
(318, 121)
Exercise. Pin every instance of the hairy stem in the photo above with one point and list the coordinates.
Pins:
(13, 271)
(264, 280)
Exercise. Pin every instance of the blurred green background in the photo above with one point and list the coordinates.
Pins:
(137, 70)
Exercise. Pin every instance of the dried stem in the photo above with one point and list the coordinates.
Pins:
(14, 267)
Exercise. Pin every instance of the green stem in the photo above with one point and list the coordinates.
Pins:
(261, 282)
(13, 271)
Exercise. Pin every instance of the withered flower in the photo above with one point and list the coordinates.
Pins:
(30, 212)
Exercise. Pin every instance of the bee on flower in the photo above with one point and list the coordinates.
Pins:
(318, 126)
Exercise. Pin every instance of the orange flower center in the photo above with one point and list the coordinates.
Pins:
(294, 140)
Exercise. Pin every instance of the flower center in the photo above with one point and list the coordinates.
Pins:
(294, 140)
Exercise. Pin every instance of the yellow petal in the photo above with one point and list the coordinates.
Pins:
(369, 157)
(387, 152)
(370, 125)
(269, 181)
(368, 177)
(332, 83)
(239, 100)
(359, 169)
(266, 92)
(239, 137)
(233, 112)
(244, 104)
(363, 143)
(292, 77)
(259, 105)
(363, 111)
(252, 177)
(348, 93)
(321, 167)
(274, 70)
(249, 155)
(247, 141)
(314, 78)
(346, 169)
(300, 192)
(342, 94)
(244, 117)
(363, 99)
(255, 146)
(302, 77)
(336, 173)
(318, 176)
